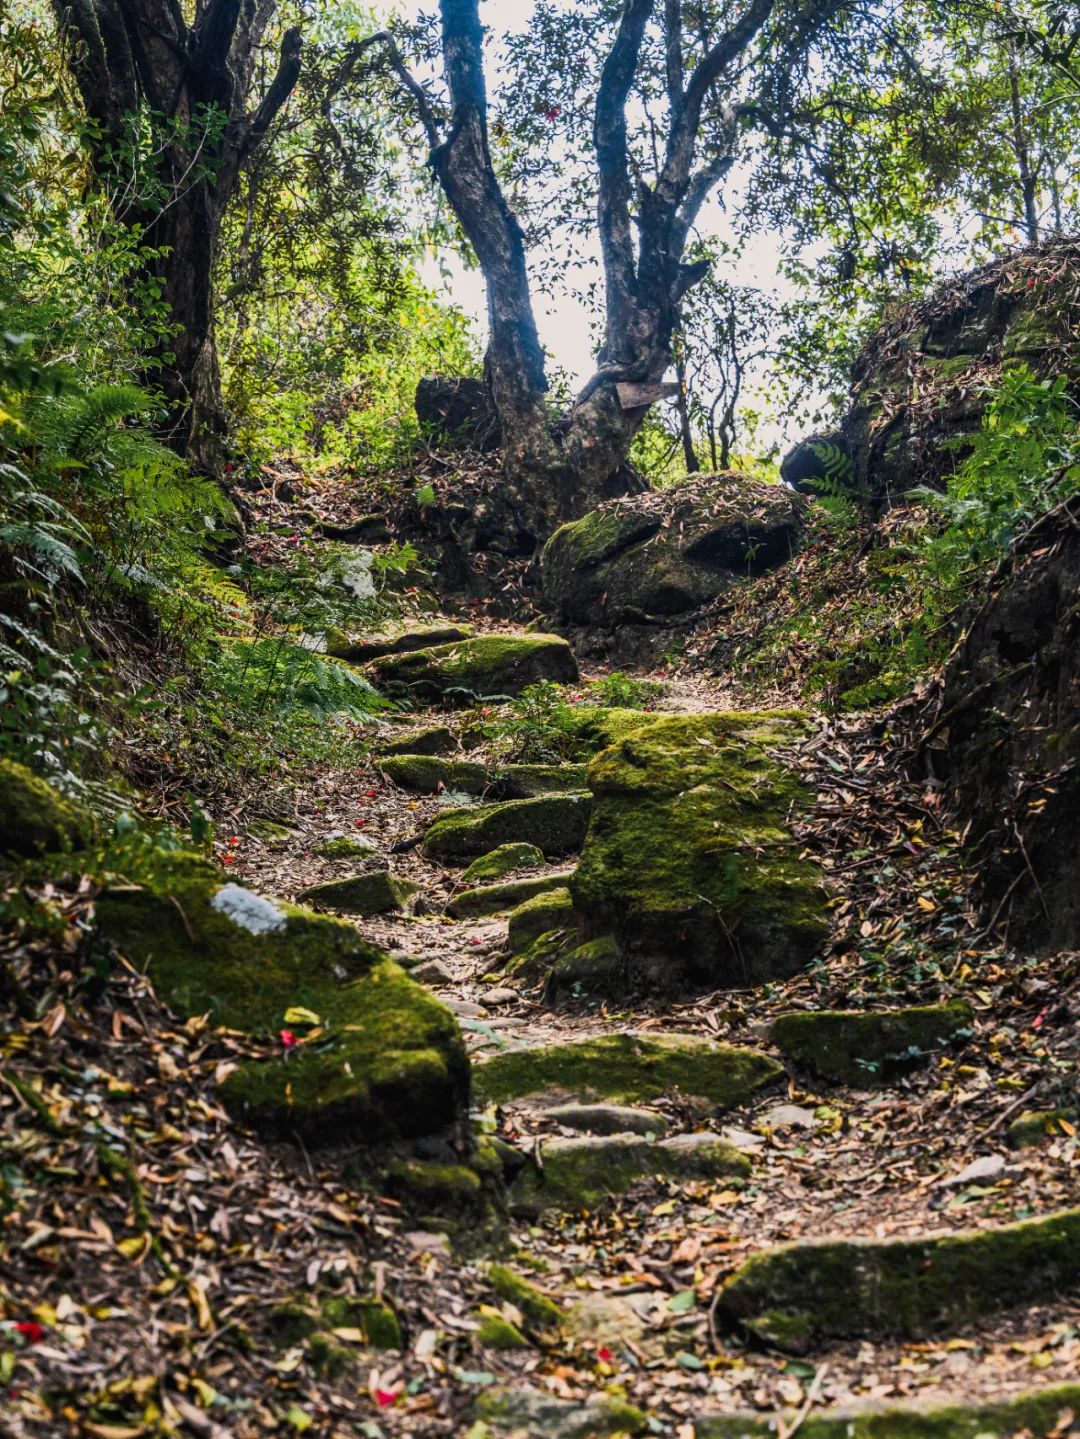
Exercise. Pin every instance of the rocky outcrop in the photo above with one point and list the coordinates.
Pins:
(919, 384)
(690, 861)
(656, 557)
(1006, 736)
(483, 668)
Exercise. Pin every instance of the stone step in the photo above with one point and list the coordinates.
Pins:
(556, 824)
(423, 739)
(627, 1068)
(378, 892)
(1039, 1414)
(488, 667)
(608, 1119)
(800, 1295)
(868, 1048)
(372, 647)
(510, 894)
(429, 774)
(581, 1173)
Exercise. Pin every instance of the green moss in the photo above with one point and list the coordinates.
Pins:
(598, 965)
(545, 911)
(581, 1173)
(423, 1183)
(502, 861)
(34, 817)
(379, 892)
(344, 846)
(376, 1321)
(373, 647)
(628, 1068)
(556, 824)
(292, 1321)
(328, 1358)
(535, 1412)
(482, 668)
(904, 1288)
(1038, 1414)
(269, 831)
(851, 1047)
(526, 781)
(495, 1332)
(689, 861)
(428, 774)
(1036, 1125)
(540, 1316)
(543, 955)
(494, 898)
(427, 739)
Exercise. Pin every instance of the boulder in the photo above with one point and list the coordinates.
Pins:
(555, 824)
(690, 861)
(457, 409)
(345, 846)
(373, 647)
(36, 818)
(666, 553)
(378, 892)
(488, 667)
(868, 1048)
(1006, 737)
(628, 1068)
(372, 1056)
(542, 912)
(798, 1295)
(920, 383)
(526, 781)
(501, 861)
(424, 739)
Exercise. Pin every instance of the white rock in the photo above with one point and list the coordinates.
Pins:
(250, 911)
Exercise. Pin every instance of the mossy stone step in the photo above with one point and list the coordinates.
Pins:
(608, 1119)
(545, 911)
(799, 1295)
(35, 818)
(555, 824)
(345, 846)
(538, 1414)
(387, 1059)
(628, 1068)
(378, 892)
(496, 898)
(1035, 1126)
(690, 861)
(1039, 1415)
(483, 668)
(428, 774)
(503, 860)
(424, 739)
(526, 781)
(372, 647)
(581, 1173)
(541, 1317)
(865, 1048)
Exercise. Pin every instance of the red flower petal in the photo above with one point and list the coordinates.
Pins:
(385, 1397)
(30, 1330)
(604, 1354)
(288, 1039)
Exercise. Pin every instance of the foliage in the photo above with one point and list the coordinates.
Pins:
(541, 726)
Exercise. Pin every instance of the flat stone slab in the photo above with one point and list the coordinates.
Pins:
(608, 1119)
(581, 1173)
(797, 1295)
(373, 647)
(1040, 1412)
(628, 1068)
(555, 824)
(377, 893)
(868, 1048)
(495, 898)
(431, 774)
(539, 1415)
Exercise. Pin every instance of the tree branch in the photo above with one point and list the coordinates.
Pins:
(673, 57)
(279, 90)
(408, 81)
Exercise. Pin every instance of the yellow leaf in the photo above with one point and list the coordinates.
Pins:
(351, 1336)
(297, 1014)
(200, 1303)
(204, 1391)
(135, 1247)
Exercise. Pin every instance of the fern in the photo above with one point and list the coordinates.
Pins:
(77, 428)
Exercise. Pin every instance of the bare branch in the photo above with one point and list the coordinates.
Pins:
(279, 90)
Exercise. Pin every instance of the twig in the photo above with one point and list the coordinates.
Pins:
(812, 1395)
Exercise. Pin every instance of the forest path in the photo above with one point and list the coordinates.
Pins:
(637, 1275)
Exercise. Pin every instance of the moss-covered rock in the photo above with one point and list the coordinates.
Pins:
(428, 774)
(1041, 1415)
(502, 861)
(545, 911)
(425, 739)
(385, 1059)
(592, 966)
(853, 1047)
(526, 781)
(689, 860)
(799, 1294)
(541, 959)
(373, 647)
(581, 1173)
(496, 1332)
(668, 552)
(628, 1068)
(555, 824)
(1035, 1126)
(482, 668)
(268, 831)
(540, 1315)
(541, 1416)
(35, 818)
(345, 846)
(511, 893)
(378, 892)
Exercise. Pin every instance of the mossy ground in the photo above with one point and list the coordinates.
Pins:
(628, 1069)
